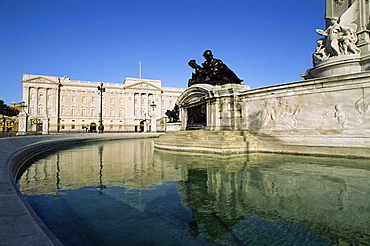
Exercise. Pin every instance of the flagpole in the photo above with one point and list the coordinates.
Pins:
(140, 70)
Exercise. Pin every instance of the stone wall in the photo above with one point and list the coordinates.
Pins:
(331, 112)
(335, 108)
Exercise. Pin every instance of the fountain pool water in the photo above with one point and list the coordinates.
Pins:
(127, 193)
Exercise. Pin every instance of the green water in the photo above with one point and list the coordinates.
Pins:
(127, 193)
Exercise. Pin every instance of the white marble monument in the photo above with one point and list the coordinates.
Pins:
(328, 113)
(343, 47)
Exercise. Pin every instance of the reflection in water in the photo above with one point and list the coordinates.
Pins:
(100, 187)
(162, 198)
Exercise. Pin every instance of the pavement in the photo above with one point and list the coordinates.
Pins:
(19, 224)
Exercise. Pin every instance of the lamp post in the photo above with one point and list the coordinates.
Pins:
(153, 118)
(100, 91)
(3, 123)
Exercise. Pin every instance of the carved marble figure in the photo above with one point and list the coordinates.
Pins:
(320, 52)
(213, 71)
(339, 37)
(338, 2)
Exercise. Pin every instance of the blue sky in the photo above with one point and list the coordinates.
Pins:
(264, 42)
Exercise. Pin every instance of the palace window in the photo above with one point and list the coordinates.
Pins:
(135, 99)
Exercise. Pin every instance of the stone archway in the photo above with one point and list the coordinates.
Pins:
(193, 107)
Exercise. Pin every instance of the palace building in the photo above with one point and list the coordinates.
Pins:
(59, 104)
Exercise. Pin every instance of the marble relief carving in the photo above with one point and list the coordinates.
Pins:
(337, 115)
(340, 118)
(276, 113)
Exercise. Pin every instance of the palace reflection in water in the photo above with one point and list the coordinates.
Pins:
(250, 200)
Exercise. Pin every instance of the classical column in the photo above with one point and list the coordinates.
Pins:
(184, 118)
(217, 114)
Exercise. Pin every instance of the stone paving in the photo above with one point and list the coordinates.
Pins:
(19, 225)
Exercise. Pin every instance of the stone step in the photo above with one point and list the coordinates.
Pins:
(204, 135)
(212, 144)
(208, 138)
(208, 141)
(209, 133)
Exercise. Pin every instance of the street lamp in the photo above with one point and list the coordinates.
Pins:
(101, 186)
(154, 120)
(3, 123)
(100, 91)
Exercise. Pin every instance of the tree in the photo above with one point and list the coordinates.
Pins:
(7, 110)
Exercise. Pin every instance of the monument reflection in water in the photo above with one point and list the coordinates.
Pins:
(125, 193)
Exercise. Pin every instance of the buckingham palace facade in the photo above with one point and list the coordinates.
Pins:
(59, 104)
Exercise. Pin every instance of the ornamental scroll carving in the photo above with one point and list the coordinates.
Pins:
(340, 37)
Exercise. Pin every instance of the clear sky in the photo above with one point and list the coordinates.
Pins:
(264, 42)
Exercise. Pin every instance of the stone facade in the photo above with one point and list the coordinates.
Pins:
(59, 104)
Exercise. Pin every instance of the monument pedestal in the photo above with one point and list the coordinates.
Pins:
(170, 127)
(340, 65)
(22, 124)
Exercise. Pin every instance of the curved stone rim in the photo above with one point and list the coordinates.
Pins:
(19, 224)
